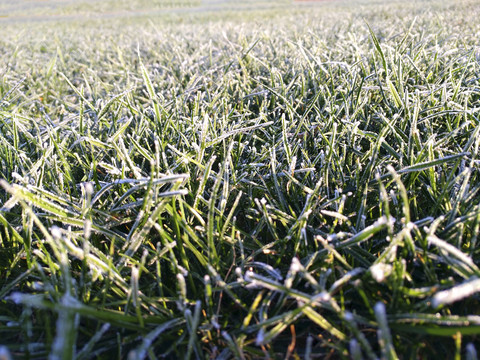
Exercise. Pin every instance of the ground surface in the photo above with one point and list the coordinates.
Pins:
(258, 180)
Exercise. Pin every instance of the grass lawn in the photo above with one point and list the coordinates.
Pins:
(249, 180)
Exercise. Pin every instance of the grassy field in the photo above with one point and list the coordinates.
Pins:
(213, 181)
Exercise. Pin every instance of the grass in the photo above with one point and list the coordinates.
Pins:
(260, 184)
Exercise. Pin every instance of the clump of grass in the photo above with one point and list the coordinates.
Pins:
(306, 187)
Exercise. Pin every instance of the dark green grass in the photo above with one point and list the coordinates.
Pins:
(301, 186)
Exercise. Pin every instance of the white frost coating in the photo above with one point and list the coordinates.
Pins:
(442, 244)
(70, 302)
(391, 221)
(248, 276)
(182, 287)
(304, 235)
(394, 197)
(334, 237)
(74, 250)
(362, 221)
(269, 269)
(456, 293)
(87, 229)
(293, 164)
(88, 188)
(63, 327)
(38, 253)
(296, 266)
(380, 314)
(134, 274)
(17, 176)
(323, 297)
(10, 203)
(380, 271)
(56, 232)
(60, 179)
(183, 270)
